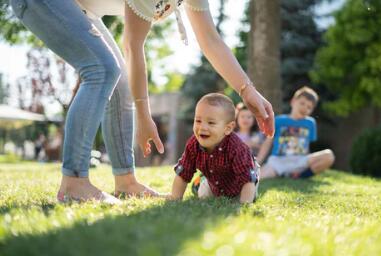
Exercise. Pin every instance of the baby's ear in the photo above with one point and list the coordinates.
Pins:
(229, 127)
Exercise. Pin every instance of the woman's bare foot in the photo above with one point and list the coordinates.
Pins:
(81, 190)
(127, 185)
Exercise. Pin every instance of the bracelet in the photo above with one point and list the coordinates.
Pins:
(141, 99)
(244, 86)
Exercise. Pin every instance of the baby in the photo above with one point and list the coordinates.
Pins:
(224, 160)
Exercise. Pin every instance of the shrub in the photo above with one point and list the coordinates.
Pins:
(366, 153)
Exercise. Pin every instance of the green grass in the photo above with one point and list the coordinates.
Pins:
(333, 214)
(10, 158)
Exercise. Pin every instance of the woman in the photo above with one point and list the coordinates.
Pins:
(74, 31)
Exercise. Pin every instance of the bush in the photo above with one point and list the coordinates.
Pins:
(366, 153)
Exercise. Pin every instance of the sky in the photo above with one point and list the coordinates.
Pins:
(13, 60)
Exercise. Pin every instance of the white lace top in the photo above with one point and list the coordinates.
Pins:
(149, 10)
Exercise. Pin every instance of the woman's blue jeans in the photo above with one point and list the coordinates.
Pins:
(103, 96)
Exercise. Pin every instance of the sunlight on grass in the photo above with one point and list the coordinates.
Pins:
(334, 214)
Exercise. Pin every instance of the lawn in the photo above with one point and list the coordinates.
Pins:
(333, 214)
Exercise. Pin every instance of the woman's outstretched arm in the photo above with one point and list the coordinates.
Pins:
(135, 33)
(225, 63)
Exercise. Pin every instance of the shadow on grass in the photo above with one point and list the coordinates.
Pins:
(159, 230)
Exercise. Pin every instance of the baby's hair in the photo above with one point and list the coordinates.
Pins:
(220, 100)
(308, 93)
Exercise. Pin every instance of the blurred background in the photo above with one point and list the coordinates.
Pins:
(332, 46)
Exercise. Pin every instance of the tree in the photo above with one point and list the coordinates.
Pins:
(300, 39)
(40, 88)
(264, 52)
(350, 64)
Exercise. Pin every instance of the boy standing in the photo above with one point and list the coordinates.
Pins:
(224, 160)
(290, 155)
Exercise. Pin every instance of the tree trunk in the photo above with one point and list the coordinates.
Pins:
(264, 50)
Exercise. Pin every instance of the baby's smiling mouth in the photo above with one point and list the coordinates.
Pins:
(203, 136)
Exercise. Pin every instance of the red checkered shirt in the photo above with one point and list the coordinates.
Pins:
(227, 168)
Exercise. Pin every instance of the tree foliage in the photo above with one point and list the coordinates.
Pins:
(300, 39)
(12, 30)
(350, 63)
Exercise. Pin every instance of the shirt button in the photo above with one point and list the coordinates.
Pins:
(217, 182)
(211, 171)
(220, 149)
(221, 190)
(211, 156)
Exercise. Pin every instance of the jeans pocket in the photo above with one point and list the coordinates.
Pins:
(19, 7)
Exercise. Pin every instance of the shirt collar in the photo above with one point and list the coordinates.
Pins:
(220, 147)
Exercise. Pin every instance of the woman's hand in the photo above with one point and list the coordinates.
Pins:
(261, 109)
(147, 132)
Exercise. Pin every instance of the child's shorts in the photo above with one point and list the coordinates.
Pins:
(285, 165)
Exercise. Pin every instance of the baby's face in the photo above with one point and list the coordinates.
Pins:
(210, 125)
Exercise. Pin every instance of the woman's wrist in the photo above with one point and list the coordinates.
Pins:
(245, 89)
(244, 86)
(142, 107)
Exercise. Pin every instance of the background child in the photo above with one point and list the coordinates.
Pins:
(224, 160)
(246, 128)
(290, 146)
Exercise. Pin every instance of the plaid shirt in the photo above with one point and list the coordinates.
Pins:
(227, 168)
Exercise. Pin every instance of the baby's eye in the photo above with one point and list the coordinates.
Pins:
(211, 123)
(197, 121)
